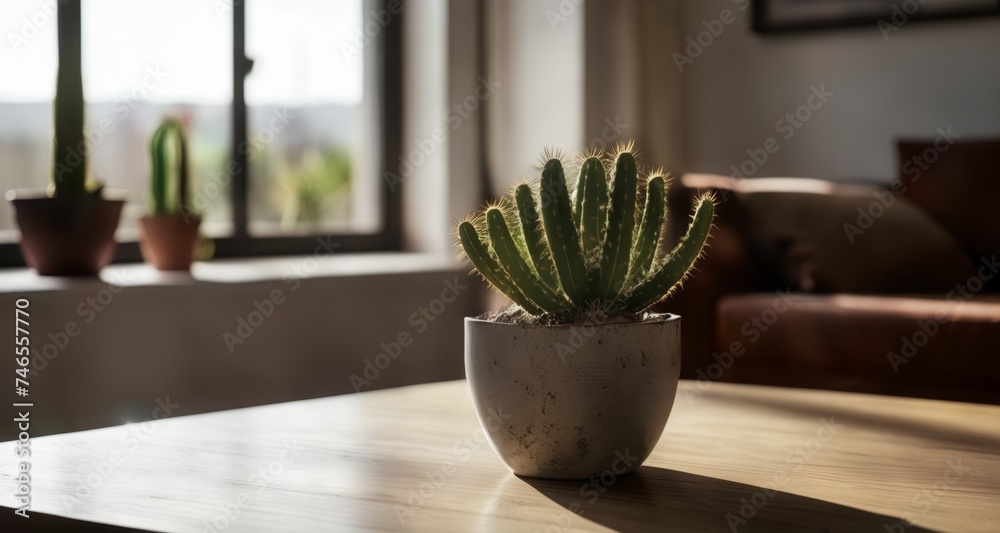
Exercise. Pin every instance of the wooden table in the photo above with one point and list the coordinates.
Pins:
(733, 458)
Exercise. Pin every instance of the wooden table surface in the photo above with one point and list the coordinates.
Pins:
(733, 458)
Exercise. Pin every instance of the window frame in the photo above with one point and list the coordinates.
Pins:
(386, 49)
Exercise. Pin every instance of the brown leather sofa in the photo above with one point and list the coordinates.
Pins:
(889, 290)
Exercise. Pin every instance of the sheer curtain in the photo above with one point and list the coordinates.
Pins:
(576, 75)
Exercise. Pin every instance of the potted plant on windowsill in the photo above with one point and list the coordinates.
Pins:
(68, 230)
(169, 235)
(584, 374)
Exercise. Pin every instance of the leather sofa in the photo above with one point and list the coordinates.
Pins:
(889, 289)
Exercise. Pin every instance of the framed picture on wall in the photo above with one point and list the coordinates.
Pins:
(771, 16)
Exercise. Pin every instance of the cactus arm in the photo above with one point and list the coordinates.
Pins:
(490, 269)
(517, 269)
(594, 208)
(527, 211)
(677, 266)
(621, 222)
(158, 181)
(564, 242)
(649, 231)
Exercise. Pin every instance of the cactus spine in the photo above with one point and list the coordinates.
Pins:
(591, 251)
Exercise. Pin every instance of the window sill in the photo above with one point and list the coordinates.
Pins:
(234, 271)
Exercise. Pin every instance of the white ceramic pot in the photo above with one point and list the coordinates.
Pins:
(573, 400)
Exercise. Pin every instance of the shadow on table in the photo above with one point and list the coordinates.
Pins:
(851, 417)
(658, 499)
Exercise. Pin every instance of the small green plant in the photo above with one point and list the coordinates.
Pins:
(169, 140)
(551, 253)
(310, 190)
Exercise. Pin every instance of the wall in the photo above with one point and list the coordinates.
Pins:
(927, 75)
(105, 350)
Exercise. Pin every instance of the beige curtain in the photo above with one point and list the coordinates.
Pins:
(577, 75)
(629, 85)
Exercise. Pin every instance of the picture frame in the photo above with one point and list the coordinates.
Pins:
(779, 16)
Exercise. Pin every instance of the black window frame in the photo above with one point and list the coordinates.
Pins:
(386, 46)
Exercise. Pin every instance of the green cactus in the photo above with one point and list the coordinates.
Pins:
(169, 139)
(595, 250)
(69, 150)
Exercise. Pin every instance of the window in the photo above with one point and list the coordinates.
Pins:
(28, 61)
(146, 60)
(291, 106)
(305, 84)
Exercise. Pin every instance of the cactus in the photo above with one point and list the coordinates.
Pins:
(169, 139)
(597, 250)
(69, 169)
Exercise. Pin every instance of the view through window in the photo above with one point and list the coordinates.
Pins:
(312, 103)
(306, 105)
(28, 61)
(146, 60)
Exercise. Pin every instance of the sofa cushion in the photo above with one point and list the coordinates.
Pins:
(936, 347)
(958, 184)
(856, 239)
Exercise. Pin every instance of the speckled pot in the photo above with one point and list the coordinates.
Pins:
(570, 401)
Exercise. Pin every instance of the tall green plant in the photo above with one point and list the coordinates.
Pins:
(551, 254)
(169, 140)
(69, 172)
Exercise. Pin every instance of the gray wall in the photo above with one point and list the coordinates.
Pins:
(927, 75)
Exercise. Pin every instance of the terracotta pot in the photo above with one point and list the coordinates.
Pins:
(168, 241)
(571, 401)
(66, 236)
